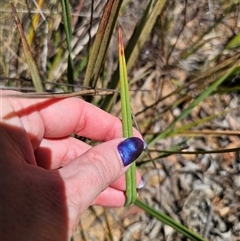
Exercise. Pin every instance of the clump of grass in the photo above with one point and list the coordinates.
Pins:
(180, 61)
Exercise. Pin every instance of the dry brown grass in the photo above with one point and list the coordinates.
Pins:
(189, 39)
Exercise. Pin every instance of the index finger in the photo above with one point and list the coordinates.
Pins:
(74, 115)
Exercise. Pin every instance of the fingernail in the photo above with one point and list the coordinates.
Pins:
(144, 145)
(142, 183)
(130, 149)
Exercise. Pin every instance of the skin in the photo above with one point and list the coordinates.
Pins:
(48, 179)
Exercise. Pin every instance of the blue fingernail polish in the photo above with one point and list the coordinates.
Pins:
(130, 149)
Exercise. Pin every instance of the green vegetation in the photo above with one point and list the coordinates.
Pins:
(181, 65)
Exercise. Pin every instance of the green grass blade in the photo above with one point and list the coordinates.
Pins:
(101, 42)
(135, 44)
(200, 98)
(145, 32)
(216, 71)
(180, 130)
(67, 20)
(28, 54)
(131, 193)
(234, 42)
(169, 221)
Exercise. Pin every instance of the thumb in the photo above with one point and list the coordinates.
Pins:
(92, 172)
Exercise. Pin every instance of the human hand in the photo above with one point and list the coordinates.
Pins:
(48, 178)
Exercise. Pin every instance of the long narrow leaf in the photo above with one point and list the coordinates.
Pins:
(101, 42)
(131, 193)
(200, 98)
(135, 44)
(35, 21)
(28, 54)
(169, 221)
(84, 92)
(67, 20)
